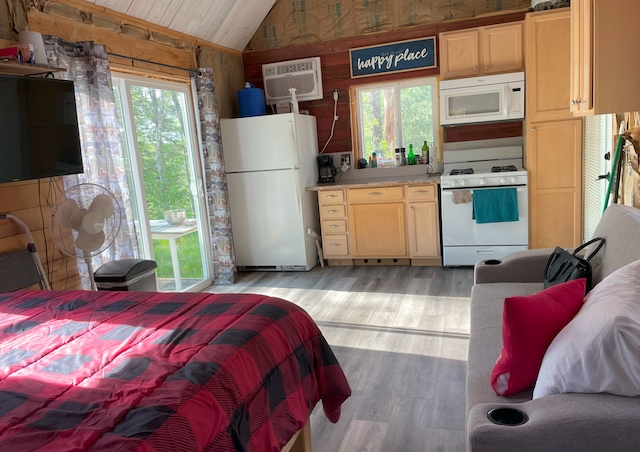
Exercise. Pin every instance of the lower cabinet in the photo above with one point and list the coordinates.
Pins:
(333, 220)
(390, 222)
(423, 221)
(377, 230)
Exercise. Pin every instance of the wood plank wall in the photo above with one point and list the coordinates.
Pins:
(334, 57)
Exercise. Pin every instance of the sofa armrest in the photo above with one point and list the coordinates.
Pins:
(559, 422)
(520, 267)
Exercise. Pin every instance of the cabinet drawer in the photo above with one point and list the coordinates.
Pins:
(330, 197)
(335, 245)
(421, 192)
(334, 226)
(375, 194)
(332, 212)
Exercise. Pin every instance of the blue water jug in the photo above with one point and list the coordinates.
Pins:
(251, 101)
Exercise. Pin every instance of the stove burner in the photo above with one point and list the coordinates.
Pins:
(458, 171)
(502, 169)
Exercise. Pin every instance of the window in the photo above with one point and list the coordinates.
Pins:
(397, 114)
(164, 171)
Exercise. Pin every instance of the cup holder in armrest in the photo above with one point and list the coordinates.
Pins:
(507, 416)
(492, 262)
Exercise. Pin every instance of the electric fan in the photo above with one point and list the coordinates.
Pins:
(85, 220)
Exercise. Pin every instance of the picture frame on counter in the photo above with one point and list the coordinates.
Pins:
(410, 55)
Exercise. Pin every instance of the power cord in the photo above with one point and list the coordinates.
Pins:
(335, 118)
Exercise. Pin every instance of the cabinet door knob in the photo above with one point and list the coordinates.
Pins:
(475, 68)
(375, 193)
(335, 244)
(331, 196)
(486, 67)
(333, 211)
(533, 129)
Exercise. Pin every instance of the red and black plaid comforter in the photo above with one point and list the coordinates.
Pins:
(120, 371)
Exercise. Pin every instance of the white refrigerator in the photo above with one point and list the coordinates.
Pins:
(269, 160)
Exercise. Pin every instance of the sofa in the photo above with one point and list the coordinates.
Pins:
(555, 422)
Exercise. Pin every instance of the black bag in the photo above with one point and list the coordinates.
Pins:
(563, 266)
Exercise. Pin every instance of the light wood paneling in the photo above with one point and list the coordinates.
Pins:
(115, 42)
(29, 201)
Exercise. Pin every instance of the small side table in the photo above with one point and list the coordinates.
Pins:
(161, 230)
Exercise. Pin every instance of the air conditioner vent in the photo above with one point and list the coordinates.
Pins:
(304, 75)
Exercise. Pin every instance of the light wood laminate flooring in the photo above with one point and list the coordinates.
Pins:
(401, 335)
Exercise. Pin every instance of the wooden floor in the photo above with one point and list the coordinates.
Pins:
(401, 335)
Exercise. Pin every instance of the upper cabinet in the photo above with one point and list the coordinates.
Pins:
(481, 51)
(547, 57)
(604, 67)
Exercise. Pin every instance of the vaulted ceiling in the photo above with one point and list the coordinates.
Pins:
(228, 23)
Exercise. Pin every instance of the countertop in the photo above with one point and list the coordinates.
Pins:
(378, 182)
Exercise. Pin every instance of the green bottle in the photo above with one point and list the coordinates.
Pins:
(425, 152)
(411, 158)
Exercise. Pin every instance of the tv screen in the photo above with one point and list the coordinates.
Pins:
(38, 129)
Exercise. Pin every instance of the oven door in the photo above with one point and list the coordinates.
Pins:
(460, 229)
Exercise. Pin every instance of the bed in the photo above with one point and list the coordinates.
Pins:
(144, 371)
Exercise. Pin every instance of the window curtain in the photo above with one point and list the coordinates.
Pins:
(87, 66)
(224, 261)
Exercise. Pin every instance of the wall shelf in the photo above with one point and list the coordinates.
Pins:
(11, 67)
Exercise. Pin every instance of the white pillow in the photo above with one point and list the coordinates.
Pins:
(599, 350)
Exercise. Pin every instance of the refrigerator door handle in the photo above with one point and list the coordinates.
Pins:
(292, 145)
(298, 195)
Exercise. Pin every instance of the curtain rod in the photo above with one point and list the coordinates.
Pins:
(133, 59)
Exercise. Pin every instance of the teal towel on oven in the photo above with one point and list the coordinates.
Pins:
(495, 205)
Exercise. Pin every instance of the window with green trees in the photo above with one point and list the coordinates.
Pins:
(396, 114)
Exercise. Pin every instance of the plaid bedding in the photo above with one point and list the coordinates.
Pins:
(120, 371)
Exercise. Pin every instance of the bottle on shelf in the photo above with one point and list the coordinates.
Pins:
(398, 157)
(380, 160)
(374, 160)
(425, 152)
(411, 158)
(403, 157)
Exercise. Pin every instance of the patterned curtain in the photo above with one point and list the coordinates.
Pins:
(224, 260)
(88, 67)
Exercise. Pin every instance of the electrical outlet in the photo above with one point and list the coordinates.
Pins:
(345, 158)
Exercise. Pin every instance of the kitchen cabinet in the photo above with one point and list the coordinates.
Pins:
(389, 223)
(554, 137)
(548, 66)
(423, 222)
(481, 51)
(333, 220)
(377, 222)
(604, 69)
(554, 162)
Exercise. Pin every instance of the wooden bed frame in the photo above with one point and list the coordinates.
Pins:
(301, 441)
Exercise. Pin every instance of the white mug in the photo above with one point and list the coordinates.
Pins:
(35, 38)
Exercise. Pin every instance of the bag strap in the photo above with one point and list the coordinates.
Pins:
(584, 245)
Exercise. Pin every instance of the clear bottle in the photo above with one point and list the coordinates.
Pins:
(411, 158)
(425, 152)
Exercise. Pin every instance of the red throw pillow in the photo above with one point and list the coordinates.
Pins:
(529, 324)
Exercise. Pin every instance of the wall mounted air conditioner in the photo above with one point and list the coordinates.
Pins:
(304, 75)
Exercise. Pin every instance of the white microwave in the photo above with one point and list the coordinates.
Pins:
(482, 99)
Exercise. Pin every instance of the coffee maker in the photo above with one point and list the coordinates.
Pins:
(326, 169)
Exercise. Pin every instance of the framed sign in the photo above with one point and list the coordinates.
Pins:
(396, 57)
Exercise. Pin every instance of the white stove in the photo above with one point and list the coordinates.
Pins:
(470, 171)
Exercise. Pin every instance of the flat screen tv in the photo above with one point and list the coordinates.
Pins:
(39, 134)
